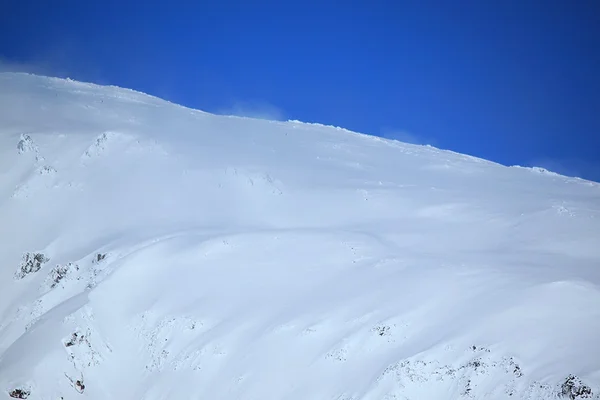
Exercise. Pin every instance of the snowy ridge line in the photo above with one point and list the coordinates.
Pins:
(545, 171)
(388, 141)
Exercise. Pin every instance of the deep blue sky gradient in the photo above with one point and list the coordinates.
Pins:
(517, 82)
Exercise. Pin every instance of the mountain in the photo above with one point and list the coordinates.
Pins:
(151, 251)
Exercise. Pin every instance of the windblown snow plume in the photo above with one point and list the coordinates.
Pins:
(150, 251)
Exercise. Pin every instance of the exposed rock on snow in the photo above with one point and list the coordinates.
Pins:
(26, 145)
(31, 263)
(20, 393)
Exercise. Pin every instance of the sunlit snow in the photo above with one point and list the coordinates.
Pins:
(151, 251)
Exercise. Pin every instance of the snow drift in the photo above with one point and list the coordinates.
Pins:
(150, 251)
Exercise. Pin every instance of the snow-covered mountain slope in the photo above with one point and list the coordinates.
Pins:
(150, 251)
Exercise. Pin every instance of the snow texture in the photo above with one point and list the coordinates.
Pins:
(150, 251)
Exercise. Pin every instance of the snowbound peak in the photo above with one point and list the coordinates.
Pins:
(154, 251)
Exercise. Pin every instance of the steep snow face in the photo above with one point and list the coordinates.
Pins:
(150, 251)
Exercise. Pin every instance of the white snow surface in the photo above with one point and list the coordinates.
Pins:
(193, 256)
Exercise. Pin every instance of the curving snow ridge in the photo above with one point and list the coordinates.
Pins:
(150, 251)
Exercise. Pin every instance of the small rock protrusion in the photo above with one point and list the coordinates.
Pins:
(99, 257)
(382, 330)
(60, 272)
(31, 263)
(47, 170)
(79, 386)
(19, 393)
(572, 388)
(26, 144)
(76, 338)
(517, 371)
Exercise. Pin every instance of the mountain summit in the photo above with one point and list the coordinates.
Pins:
(151, 251)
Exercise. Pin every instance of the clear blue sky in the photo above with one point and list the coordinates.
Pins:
(514, 81)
